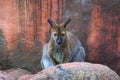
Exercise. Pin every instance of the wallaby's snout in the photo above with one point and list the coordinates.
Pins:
(59, 41)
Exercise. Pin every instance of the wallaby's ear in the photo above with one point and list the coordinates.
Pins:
(65, 23)
(51, 22)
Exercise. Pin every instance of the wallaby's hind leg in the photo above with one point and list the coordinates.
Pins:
(78, 55)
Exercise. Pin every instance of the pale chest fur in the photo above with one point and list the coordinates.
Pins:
(60, 54)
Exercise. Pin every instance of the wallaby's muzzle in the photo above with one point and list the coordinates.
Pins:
(59, 41)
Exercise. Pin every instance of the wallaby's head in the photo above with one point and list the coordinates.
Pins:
(58, 31)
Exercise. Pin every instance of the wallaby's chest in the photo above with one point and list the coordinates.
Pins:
(60, 55)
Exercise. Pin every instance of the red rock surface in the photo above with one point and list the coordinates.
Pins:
(5, 76)
(16, 73)
(103, 44)
(74, 71)
(24, 25)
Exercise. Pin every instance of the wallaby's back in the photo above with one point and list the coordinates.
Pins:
(75, 47)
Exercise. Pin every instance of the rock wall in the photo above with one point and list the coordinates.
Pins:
(23, 23)
(103, 38)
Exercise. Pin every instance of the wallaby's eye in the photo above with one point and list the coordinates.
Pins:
(55, 34)
(63, 34)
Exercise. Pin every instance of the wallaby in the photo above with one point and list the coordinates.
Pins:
(62, 47)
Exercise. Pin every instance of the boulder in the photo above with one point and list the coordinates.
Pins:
(5, 76)
(74, 71)
(9, 70)
(16, 73)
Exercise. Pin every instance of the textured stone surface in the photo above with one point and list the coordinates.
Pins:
(104, 34)
(22, 47)
(74, 71)
(5, 76)
(16, 73)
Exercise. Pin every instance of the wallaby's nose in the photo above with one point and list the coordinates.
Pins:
(59, 42)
